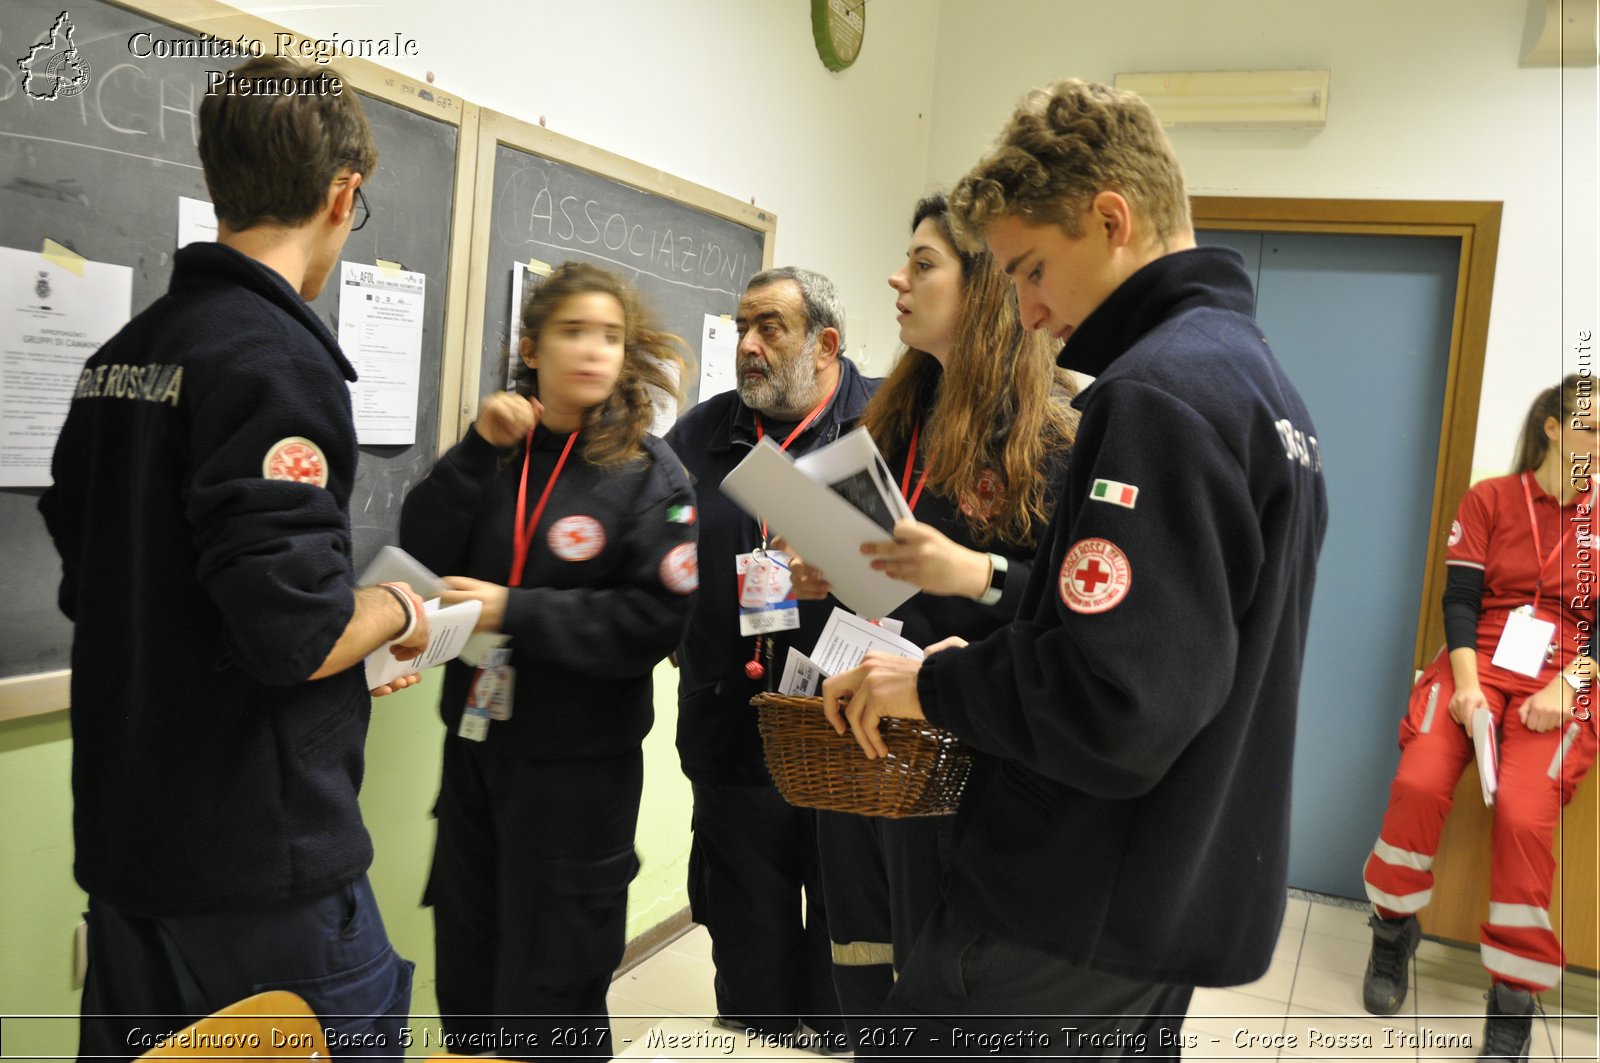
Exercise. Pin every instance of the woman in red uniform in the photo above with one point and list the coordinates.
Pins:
(1519, 612)
(975, 419)
(576, 531)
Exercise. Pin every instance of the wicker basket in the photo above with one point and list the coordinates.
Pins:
(816, 767)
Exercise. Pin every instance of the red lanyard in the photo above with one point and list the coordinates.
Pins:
(1533, 526)
(801, 427)
(905, 477)
(522, 535)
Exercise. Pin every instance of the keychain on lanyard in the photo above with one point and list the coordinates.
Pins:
(753, 668)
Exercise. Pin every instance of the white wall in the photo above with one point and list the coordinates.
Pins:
(728, 94)
(1427, 102)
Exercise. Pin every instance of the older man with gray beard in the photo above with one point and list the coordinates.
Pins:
(754, 856)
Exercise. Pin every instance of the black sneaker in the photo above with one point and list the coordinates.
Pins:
(1509, 1025)
(1388, 977)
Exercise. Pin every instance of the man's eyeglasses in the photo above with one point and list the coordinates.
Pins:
(362, 211)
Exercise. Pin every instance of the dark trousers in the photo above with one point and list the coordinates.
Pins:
(966, 993)
(150, 976)
(530, 898)
(882, 879)
(752, 864)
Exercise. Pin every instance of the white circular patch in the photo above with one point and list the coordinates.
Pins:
(1455, 532)
(680, 569)
(576, 538)
(298, 459)
(1095, 575)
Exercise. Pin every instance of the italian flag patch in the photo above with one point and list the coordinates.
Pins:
(1118, 494)
(680, 515)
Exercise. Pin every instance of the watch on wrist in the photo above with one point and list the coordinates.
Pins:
(997, 580)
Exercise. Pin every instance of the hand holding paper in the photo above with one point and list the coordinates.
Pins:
(826, 505)
(925, 557)
(449, 627)
(490, 596)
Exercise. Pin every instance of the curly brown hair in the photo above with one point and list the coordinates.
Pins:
(1065, 144)
(654, 362)
(1002, 406)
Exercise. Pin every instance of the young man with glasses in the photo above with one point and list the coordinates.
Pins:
(218, 704)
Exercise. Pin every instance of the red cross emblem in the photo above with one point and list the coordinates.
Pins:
(680, 569)
(576, 538)
(298, 460)
(1095, 576)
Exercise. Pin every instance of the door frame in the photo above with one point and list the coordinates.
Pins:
(1476, 223)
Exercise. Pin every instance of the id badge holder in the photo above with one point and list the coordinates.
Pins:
(1525, 643)
(474, 724)
(497, 702)
(489, 697)
(766, 596)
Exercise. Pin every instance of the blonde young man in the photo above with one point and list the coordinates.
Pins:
(1126, 836)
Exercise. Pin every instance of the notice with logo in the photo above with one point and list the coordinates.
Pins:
(380, 330)
(197, 221)
(525, 278)
(719, 342)
(55, 311)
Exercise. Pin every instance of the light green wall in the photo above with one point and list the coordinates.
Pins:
(42, 904)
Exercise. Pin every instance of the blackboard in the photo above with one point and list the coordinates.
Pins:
(688, 250)
(101, 172)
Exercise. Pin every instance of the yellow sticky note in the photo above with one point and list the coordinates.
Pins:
(65, 257)
(542, 269)
(389, 268)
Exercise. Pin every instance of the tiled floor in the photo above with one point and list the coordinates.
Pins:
(1307, 1006)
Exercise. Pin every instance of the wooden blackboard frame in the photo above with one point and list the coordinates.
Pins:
(495, 129)
(45, 692)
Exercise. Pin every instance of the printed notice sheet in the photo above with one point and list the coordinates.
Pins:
(826, 505)
(380, 330)
(525, 277)
(801, 676)
(719, 341)
(52, 319)
(846, 638)
(197, 221)
(449, 627)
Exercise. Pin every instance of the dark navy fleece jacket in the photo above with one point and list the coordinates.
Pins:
(605, 590)
(1134, 814)
(207, 773)
(717, 739)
